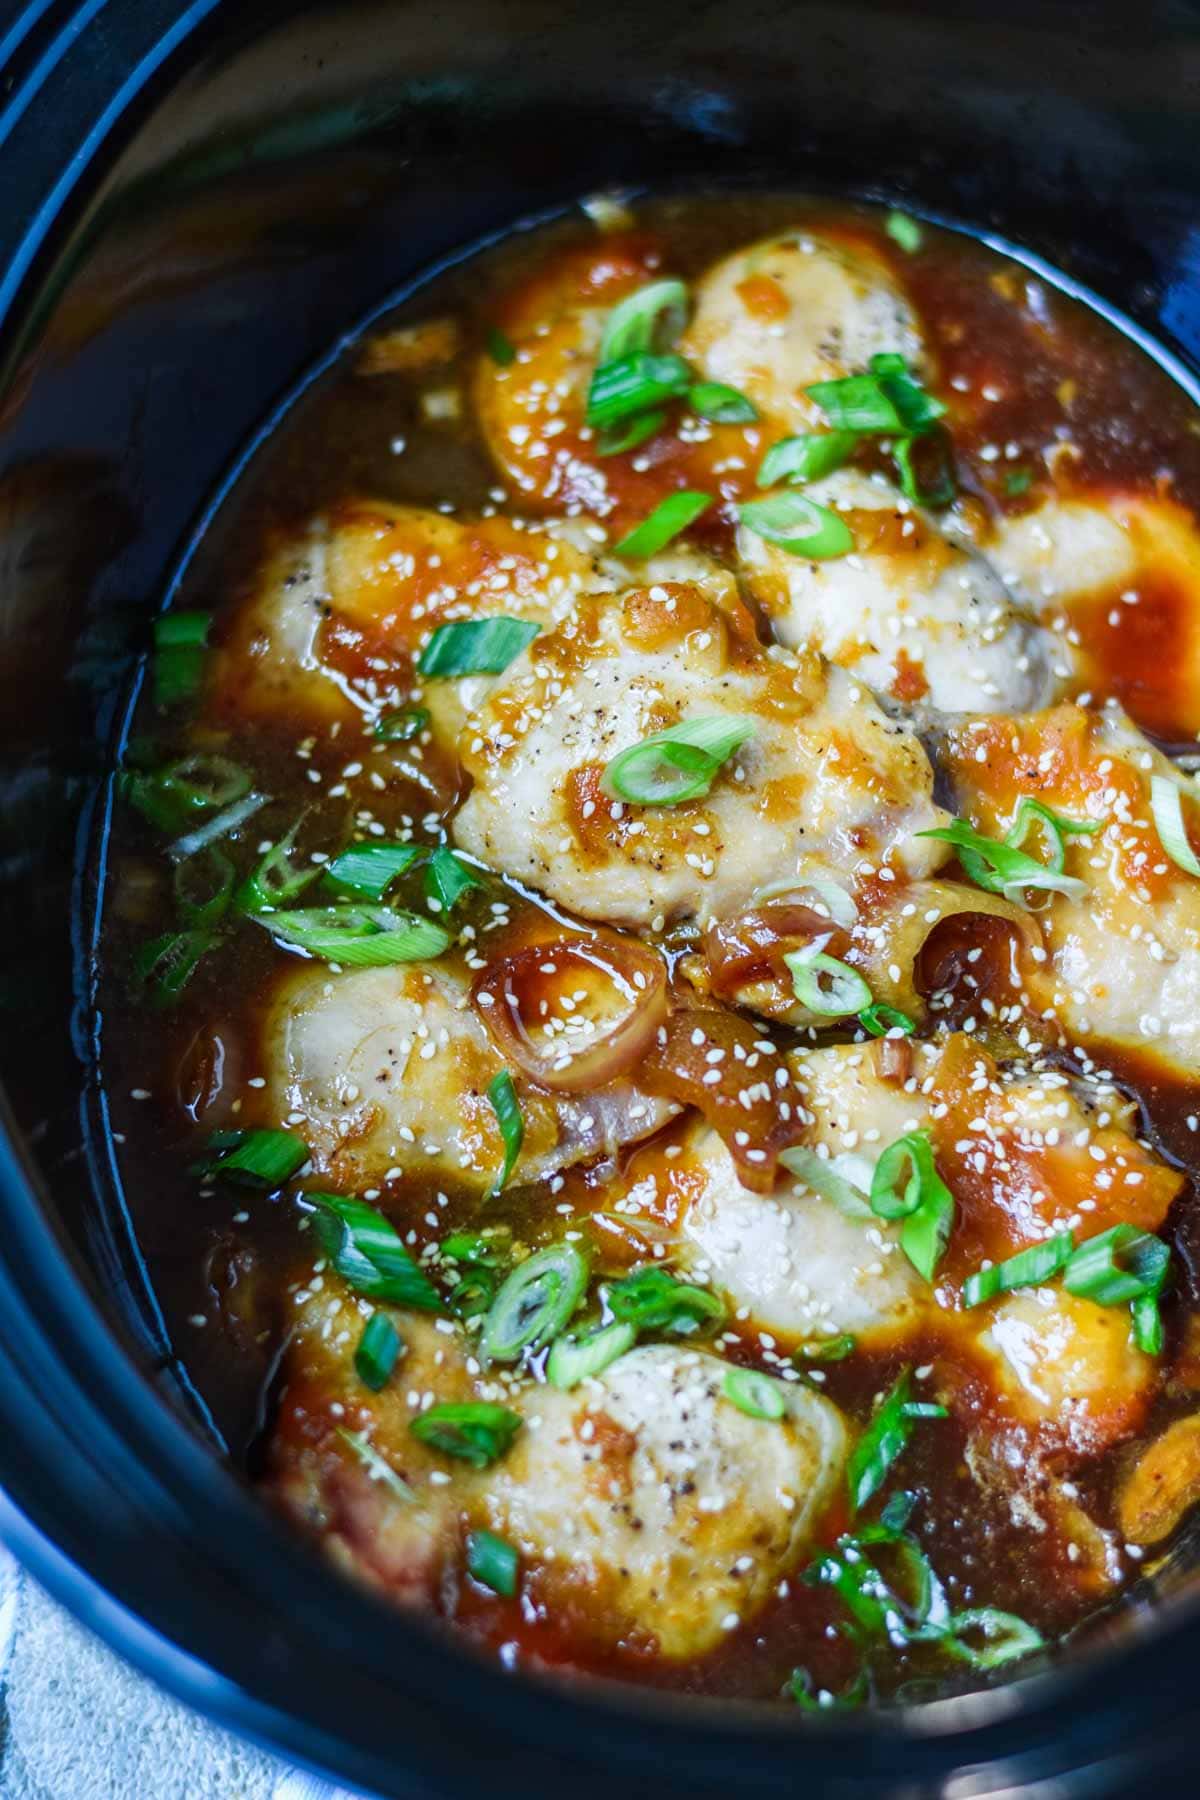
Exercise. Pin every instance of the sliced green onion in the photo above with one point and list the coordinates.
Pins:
(1166, 803)
(1148, 1333)
(535, 1303)
(897, 1510)
(1029, 1268)
(1006, 1637)
(678, 764)
(616, 438)
(573, 1360)
(378, 1351)
(507, 1108)
(493, 1562)
(754, 1393)
(652, 1300)
(1119, 1265)
(798, 525)
(180, 652)
(220, 825)
(370, 869)
(669, 518)
(485, 1249)
(723, 405)
(260, 1158)
(879, 1019)
(166, 964)
(999, 869)
(361, 937)
(650, 319)
(476, 646)
(848, 1699)
(367, 1253)
(402, 726)
(830, 1349)
(471, 1297)
(275, 881)
(635, 384)
(203, 886)
(807, 457)
(903, 231)
(377, 1468)
(823, 1177)
(195, 785)
(942, 487)
(448, 878)
(884, 1439)
(475, 1431)
(926, 1204)
(887, 399)
(843, 992)
(500, 347)
(1017, 481)
(1032, 815)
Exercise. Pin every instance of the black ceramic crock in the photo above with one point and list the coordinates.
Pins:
(195, 202)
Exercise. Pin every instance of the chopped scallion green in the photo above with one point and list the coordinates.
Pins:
(1166, 804)
(754, 1393)
(635, 384)
(669, 518)
(448, 878)
(180, 652)
(1029, 1268)
(362, 937)
(507, 1108)
(500, 347)
(798, 525)
(203, 887)
(627, 436)
(535, 1303)
(368, 870)
(808, 457)
(925, 1204)
(493, 1562)
(367, 1253)
(1120, 1265)
(1001, 869)
(879, 1020)
(650, 319)
(476, 646)
(258, 1158)
(884, 1439)
(825, 986)
(678, 764)
(652, 1300)
(903, 231)
(723, 405)
(402, 726)
(166, 964)
(378, 1351)
(573, 1360)
(474, 1431)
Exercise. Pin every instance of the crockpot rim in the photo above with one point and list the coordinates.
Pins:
(69, 1299)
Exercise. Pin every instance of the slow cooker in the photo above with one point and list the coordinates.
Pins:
(199, 201)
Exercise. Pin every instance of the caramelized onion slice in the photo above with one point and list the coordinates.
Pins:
(890, 942)
(751, 946)
(576, 1013)
(740, 1091)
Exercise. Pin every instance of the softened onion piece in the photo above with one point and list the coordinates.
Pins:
(738, 1091)
(888, 943)
(521, 998)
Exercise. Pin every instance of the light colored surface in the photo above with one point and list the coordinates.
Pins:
(77, 1724)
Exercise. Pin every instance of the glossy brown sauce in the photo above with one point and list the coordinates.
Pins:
(222, 1260)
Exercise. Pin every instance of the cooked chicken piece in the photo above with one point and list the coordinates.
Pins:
(336, 617)
(1163, 1485)
(824, 772)
(1116, 578)
(330, 1487)
(801, 1268)
(924, 624)
(389, 1069)
(1068, 1367)
(1024, 1156)
(655, 1510)
(793, 310)
(1122, 962)
(532, 409)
